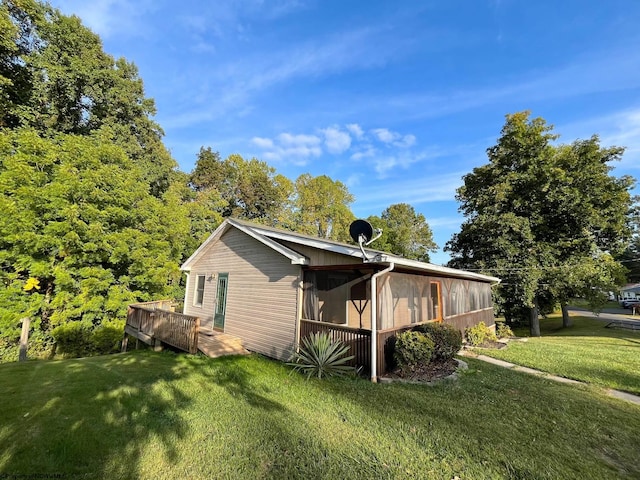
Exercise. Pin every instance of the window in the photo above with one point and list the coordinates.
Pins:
(198, 296)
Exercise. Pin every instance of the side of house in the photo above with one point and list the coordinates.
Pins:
(241, 286)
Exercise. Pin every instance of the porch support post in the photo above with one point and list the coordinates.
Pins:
(374, 321)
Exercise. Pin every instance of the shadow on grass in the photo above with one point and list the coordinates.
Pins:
(525, 427)
(88, 417)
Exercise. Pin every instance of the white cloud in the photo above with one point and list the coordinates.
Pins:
(260, 142)
(298, 140)
(336, 140)
(353, 180)
(355, 130)
(394, 138)
(289, 148)
(108, 17)
(384, 135)
(366, 152)
(407, 141)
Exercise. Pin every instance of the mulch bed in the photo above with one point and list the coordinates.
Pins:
(435, 370)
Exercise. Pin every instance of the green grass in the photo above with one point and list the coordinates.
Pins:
(608, 357)
(150, 415)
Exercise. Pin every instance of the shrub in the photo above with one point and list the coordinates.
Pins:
(412, 349)
(106, 337)
(447, 340)
(73, 338)
(503, 330)
(479, 334)
(320, 356)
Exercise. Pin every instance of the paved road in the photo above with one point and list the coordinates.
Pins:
(608, 314)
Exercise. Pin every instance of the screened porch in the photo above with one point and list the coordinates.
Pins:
(338, 301)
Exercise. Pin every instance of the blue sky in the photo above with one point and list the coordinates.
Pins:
(397, 100)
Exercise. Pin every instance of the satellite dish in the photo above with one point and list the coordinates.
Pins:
(361, 231)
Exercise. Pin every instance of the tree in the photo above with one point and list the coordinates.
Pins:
(80, 235)
(404, 232)
(536, 211)
(55, 77)
(322, 207)
(95, 213)
(250, 189)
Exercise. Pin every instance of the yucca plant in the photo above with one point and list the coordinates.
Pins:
(320, 356)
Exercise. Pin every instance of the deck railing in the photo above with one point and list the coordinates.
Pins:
(156, 321)
(359, 340)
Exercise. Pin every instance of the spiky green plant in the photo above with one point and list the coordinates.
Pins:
(320, 356)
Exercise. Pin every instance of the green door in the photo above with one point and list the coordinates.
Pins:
(221, 300)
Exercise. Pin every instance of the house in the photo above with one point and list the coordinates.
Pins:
(270, 287)
(631, 291)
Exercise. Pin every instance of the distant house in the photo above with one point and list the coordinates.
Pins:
(630, 291)
(270, 287)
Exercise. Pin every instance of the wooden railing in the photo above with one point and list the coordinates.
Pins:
(359, 340)
(150, 323)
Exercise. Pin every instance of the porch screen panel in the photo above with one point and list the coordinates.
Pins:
(335, 296)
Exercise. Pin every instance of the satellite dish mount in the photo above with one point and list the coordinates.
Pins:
(363, 233)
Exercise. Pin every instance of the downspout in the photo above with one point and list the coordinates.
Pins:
(374, 321)
(186, 292)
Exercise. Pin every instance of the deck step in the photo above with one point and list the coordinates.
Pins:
(216, 344)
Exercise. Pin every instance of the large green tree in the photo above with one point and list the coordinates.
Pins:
(55, 77)
(250, 189)
(80, 235)
(538, 211)
(95, 213)
(322, 207)
(404, 232)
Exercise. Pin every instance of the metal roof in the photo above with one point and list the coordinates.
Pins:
(269, 236)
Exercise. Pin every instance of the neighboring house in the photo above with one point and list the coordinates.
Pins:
(270, 287)
(631, 291)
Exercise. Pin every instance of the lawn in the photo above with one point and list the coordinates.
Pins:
(608, 357)
(160, 415)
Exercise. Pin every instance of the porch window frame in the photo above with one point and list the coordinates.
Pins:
(440, 315)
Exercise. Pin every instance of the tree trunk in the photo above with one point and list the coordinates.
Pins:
(566, 319)
(535, 321)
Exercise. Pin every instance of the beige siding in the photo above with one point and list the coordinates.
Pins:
(319, 257)
(261, 297)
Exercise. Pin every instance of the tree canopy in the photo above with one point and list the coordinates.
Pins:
(404, 232)
(543, 217)
(321, 207)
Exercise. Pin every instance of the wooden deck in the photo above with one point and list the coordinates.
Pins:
(216, 344)
(156, 323)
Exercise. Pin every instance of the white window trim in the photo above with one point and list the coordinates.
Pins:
(195, 290)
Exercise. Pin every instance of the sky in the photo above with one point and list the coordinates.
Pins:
(397, 100)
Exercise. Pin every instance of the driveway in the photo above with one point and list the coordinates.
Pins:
(607, 314)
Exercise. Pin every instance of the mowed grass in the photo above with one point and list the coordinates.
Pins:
(608, 357)
(163, 416)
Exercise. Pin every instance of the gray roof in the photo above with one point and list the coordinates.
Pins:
(269, 236)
